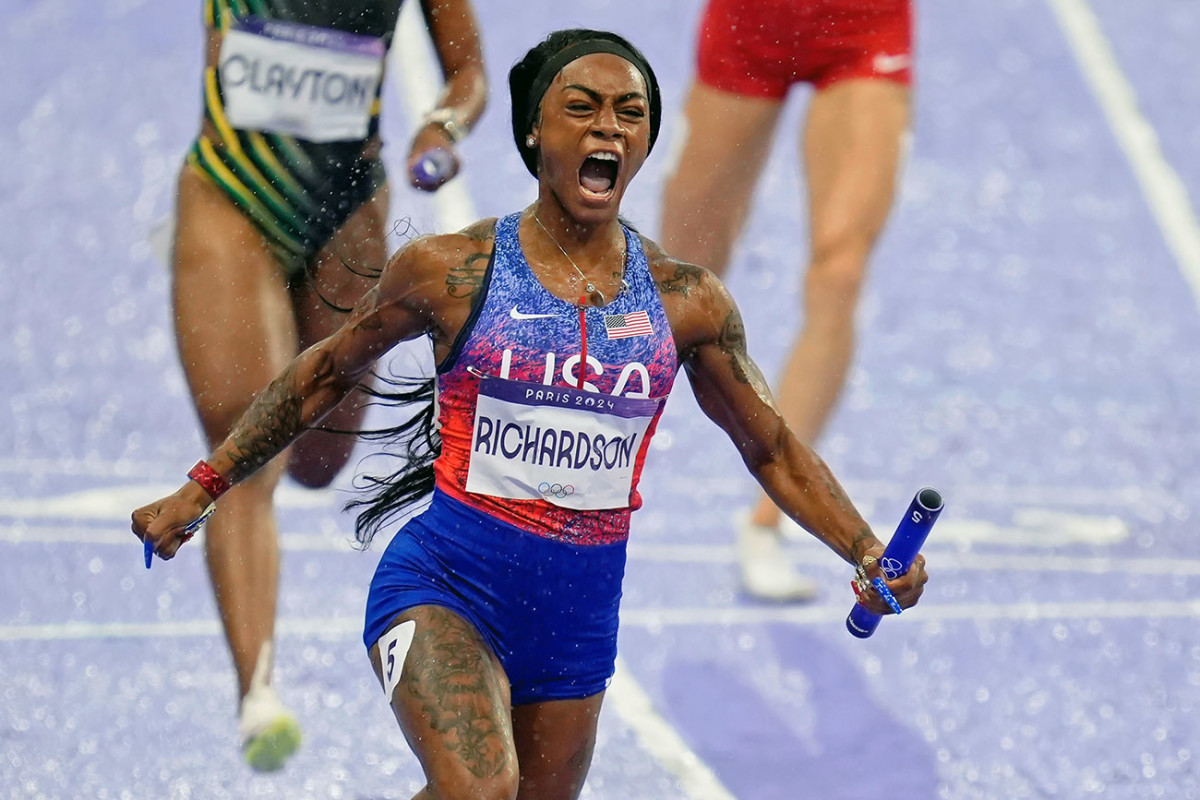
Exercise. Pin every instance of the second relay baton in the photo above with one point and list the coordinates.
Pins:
(898, 556)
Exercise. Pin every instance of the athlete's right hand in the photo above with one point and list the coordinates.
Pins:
(432, 141)
(167, 523)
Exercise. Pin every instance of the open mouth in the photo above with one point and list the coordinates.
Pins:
(598, 174)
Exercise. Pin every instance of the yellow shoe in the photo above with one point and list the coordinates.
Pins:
(270, 734)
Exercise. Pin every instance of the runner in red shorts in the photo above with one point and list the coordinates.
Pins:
(857, 54)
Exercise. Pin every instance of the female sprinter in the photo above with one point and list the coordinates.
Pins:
(282, 212)
(492, 617)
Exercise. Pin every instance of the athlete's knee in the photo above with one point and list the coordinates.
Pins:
(316, 460)
(835, 278)
(465, 784)
(311, 478)
(845, 240)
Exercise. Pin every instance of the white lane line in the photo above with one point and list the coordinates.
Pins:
(333, 628)
(120, 536)
(1022, 611)
(109, 630)
(660, 739)
(116, 503)
(1132, 497)
(1165, 192)
(1101, 565)
(652, 619)
(941, 559)
(89, 468)
(1034, 528)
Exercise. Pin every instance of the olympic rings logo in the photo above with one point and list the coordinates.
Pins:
(558, 490)
(891, 567)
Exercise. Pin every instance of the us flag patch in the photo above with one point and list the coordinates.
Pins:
(623, 326)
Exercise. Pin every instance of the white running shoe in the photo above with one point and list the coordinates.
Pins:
(767, 572)
(270, 733)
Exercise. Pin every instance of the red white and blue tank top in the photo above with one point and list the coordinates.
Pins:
(531, 435)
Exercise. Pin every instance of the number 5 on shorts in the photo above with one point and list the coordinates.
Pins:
(393, 647)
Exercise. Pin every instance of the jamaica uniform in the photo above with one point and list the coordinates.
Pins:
(293, 99)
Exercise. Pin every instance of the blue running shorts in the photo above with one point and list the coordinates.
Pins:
(548, 609)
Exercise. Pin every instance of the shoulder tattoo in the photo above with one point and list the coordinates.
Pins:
(682, 280)
(480, 231)
(466, 279)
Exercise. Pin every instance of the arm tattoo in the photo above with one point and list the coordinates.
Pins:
(273, 420)
(365, 312)
(732, 341)
(372, 323)
(839, 496)
(480, 231)
(865, 538)
(466, 280)
(861, 543)
(686, 276)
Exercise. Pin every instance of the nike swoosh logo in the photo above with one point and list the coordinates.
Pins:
(886, 63)
(522, 315)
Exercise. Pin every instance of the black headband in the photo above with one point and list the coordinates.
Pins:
(554, 65)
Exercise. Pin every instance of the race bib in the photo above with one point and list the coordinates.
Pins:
(314, 83)
(572, 448)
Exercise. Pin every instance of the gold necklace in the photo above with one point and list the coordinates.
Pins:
(588, 286)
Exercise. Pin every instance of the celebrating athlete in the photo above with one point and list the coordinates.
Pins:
(557, 333)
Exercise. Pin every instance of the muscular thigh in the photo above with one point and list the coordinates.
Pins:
(233, 314)
(451, 699)
(726, 139)
(854, 141)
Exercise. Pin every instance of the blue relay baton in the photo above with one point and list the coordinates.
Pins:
(899, 554)
(432, 168)
(187, 533)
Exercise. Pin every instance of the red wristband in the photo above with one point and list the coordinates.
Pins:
(209, 479)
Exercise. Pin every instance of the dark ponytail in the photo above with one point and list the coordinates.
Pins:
(415, 442)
